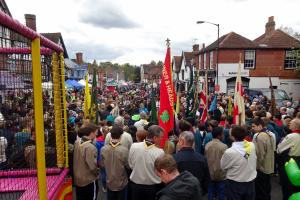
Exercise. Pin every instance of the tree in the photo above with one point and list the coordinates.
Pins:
(137, 73)
(128, 72)
(160, 63)
(290, 31)
(153, 62)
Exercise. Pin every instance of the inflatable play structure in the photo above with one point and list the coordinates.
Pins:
(33, 140)
(293, 172)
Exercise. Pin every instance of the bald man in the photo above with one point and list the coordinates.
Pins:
(189, 160)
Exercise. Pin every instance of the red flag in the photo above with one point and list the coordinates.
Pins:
(166, 110)
(239, 104)
(203, 106)
(203, 101)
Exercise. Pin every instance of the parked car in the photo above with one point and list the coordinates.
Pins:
(281, 97)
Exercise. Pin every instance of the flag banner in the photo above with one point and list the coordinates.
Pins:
(177, 110)
(190, 102)
(239, 104)
(166, 109)
(203, 101)
(230, 106)
(87, 97)
(203, 107)
(94, 103)
(213, 105)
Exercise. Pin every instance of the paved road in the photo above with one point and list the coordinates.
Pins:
(276, 189)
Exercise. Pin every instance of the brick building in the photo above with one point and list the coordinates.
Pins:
(270, 55)
(151, 73)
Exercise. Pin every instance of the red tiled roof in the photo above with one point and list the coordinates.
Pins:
(55, 37)
(277, 39)
(232, 40)
(152, 69)
(188, 56)
(177, 60)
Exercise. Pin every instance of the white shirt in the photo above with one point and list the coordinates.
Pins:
(141, 161)
(237, 167)
(140, 124)
(126, 139)
(292, 142)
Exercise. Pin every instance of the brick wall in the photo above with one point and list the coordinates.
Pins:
(271, 63)
(230, 55)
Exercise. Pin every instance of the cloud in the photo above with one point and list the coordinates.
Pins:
(92, 51)
(106, 14)
(239, 0)
(180, 46)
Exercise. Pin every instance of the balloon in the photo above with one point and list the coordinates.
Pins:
(295, 196)
(293, 172)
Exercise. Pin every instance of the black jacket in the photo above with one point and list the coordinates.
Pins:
(183, 187)
(194, 162)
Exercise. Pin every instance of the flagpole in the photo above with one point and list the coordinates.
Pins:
(168, 42)
(206, 89)
(240, 114)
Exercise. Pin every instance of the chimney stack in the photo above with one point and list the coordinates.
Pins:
(196, 47)
(270, 26)
(203, 45)
(79, 59)
(30, 21)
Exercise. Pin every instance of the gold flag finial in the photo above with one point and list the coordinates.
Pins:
(168, 42)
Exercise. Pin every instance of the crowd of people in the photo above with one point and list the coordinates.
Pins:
(215, 159)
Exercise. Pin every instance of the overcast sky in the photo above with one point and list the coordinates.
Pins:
(135, 31)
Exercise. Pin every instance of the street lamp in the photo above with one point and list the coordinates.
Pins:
(218, 25)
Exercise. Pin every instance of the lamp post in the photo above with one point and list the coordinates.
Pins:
(217, 49)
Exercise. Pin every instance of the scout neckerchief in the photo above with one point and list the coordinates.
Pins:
(243, 147)
(148, 144)
(114, 145)
(296, 131)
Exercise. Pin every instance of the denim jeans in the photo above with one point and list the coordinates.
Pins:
(216, 189)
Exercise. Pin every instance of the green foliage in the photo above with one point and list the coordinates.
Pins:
(160, 63)
(128, 72)
(153, 62)
(137, 74)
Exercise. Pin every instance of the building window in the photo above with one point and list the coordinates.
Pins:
(182, 74)
(211, 60)
(204, 61)
(249, 59)
(290, 61)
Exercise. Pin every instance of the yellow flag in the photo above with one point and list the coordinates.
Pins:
(230, 106)
(87, 97)
(178, 102)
